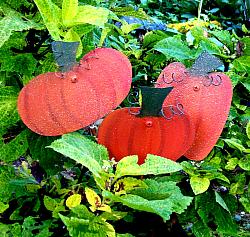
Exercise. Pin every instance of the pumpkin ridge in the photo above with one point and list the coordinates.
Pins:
(71, 115)
(50, 112)
(25, 107)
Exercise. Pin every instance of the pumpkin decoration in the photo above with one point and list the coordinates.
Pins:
(205, 96)
(52, 104)
(150, 129)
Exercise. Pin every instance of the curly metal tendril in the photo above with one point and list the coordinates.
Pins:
(174, 110)
(210, 80)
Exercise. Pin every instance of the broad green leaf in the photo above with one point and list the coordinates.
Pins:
(199, 184)
(3, 207)
(127, 28)
(50, 161)
(130, 11)
(94, 227)
(164, 190)
(231, 164)
(69, 10)
(235, 143)
(73, 200)
(245, 201)
(152, 37)
(242, 64)
(163, 207)
(52, 17)
(210, 47)
(174, 47)
(223, 36)
(201, 230)
(239, 186)
(220, 200)
(153, 165)
(113, 216)
(50, 203)
(244, 163)
(15, 148)
(125, 185)
(91, 15)
(9, 24)
(8, 106)
(83, 151)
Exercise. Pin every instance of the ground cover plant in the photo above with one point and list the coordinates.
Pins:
(67, 185)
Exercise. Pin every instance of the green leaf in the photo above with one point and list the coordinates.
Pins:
(210, 47)
(153, 165)
(224, 37)
(3, 207)
(244, 163)
(235, 143)
(152, 37)
(245, 201)
(125, 185)
(201, 230)
(52, 17)
(91, 15)
(231, 164)
(199, 184)
(242, 64)
(127, 28)
(83, 151)
(220, 200)
(73, 200)
(8, 108)
(130, 11)
(95, 227)
(248, 129)
(69, 10)
(50, 161)
(9, 24)
(50, 203)
(15, 148)
(174, 47)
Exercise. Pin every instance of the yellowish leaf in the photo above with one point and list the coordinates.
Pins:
(73, 201)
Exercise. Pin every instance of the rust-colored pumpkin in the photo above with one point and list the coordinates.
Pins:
(125, 133)
(54, 103)
(206, 99)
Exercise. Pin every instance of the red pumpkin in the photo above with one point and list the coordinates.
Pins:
(206, 99)
(124, 133)
(54, 103)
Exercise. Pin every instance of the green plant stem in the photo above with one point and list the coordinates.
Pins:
(199, 10)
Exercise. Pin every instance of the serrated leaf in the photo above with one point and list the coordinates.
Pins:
(88, 14)
(8, 108)
(153, 165)
(95, 227)
(52, 17)
(130, 11)
(9, 24)
(15, 148)
(83, 151)
(220, 200)
(3, 207)
(125, 185)
(242, 64)
(199, 185)
(73, 200)
(69, 10)
(201, 230)
(174, 47)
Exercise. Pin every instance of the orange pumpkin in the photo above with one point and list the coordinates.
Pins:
(206, 99)
(56, 103)
(142, 131)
